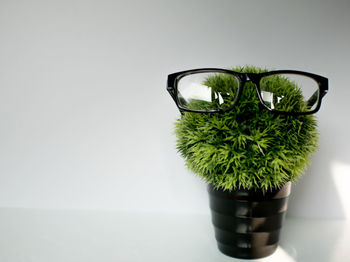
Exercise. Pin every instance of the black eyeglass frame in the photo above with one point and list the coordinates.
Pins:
(243, 78)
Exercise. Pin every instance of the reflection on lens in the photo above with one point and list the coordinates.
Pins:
(207, 91)
(289, 93)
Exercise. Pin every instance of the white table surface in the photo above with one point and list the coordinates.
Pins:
(29, 235)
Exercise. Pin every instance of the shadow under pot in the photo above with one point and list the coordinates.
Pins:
(247, 223)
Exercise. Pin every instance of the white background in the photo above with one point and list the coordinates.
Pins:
(85, 119)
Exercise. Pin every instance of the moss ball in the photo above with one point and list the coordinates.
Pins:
(248, 147)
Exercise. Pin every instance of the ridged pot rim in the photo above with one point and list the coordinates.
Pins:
(252, 195)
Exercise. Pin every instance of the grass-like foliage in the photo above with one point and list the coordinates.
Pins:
(247, 147)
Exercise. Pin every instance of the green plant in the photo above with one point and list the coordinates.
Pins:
(247, 147)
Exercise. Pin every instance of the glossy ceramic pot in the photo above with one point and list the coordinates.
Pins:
(247, 224)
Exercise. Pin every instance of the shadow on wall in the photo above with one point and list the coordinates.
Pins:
(323, 191)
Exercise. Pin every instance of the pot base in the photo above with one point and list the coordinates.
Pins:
(247, 253)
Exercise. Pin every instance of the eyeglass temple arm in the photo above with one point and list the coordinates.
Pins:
(173, 96)
(312, 100)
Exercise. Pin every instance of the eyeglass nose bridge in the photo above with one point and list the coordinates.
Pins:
(251, 77)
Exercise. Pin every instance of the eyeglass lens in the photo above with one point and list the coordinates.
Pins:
(289, 92)
(207, 91)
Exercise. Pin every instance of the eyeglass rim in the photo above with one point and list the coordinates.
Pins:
(255, 78)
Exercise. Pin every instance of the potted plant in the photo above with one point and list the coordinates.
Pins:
(248, 133)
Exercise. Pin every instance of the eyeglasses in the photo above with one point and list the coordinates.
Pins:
(209, 90)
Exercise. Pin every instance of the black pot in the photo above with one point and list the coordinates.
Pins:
(247, 223)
